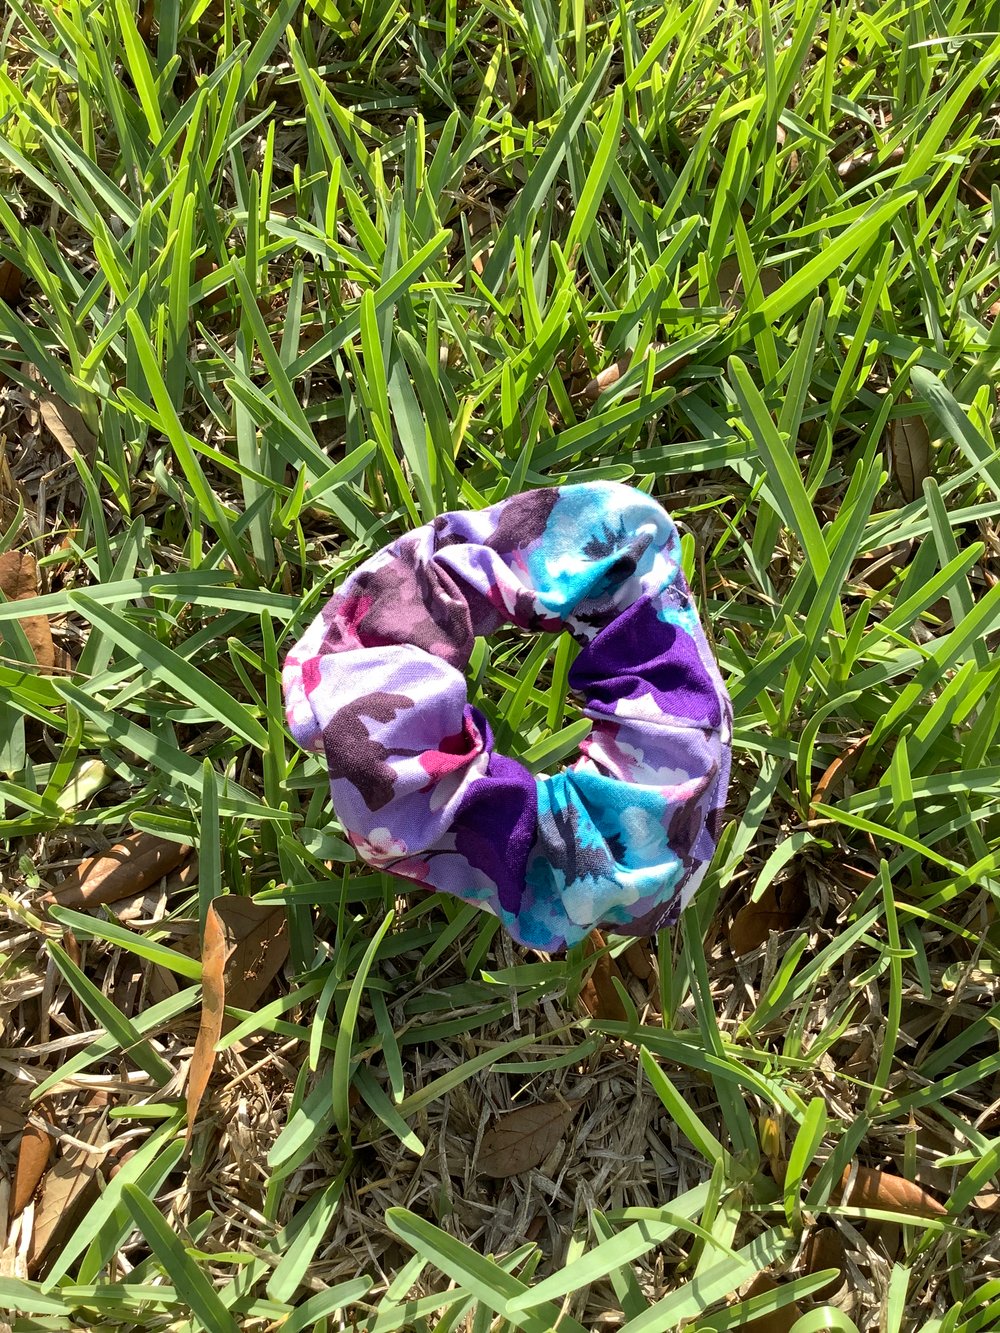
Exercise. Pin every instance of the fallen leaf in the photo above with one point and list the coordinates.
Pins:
(206, 268)
(144, 25)
(521, 1139)
(72, 946)
(598, 994)
(68, 1186)
(13, 1107)
(875, 569)
(67, 427)
(245, 944)
(603, 381)
(861, 1056)
(837, 771)
(118, 1161)
(639, 960)
(824, 1248)
(33, 1155)
(480, 224)
(256, 946)
(730, 281)
(592, 389)
(129, 867)
(869, 1187)
(161, 984)
(213, 1000)
(143, 906)
(780, 907)
(988, 1201)
(11, 282)
(778, 1321)
(858, 164)
(910, 454)
(18, 581)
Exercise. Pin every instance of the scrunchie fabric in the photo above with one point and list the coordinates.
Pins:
(622, 838)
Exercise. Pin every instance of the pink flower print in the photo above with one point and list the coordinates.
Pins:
(378, 847)
(311, 677)
(349, 617)
(413, 867)
(454, 752)
(609, 753)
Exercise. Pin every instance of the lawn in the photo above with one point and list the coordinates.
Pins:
(282, 280)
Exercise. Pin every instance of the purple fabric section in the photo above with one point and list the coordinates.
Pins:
(405, 600)
(496, 821)
(639, 654)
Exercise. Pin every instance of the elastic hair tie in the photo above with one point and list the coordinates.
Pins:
(622, 838)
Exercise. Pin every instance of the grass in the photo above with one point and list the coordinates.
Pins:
(284, 280)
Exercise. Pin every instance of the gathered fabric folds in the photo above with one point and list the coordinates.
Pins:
(618, 840)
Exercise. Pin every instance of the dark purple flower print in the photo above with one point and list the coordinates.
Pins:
(639, 654)
(352, 754)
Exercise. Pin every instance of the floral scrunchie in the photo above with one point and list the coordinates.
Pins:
(622, 838)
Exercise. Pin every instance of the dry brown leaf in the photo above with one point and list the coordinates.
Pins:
(592, 389)
(868, 1187)
(72, 946)
(824, 1248)
(205, 268)
(67, 427)
(11, 282)
(68, 1187)
(730, 281)
(129, 867)
(213, 993)
(639, 960)
(598, 994)
(875, 569)
(32, 1158)
(988, 1201)
(161, 984)
(256, 937)
(780, 907)
(144, 906)
(144, 25)
(858, 164)
(778, 1321)
(837, 771)
(861, 1057)
(910, 453)
(245, 945)
(521, 1139)
(13, 1107)
(19, 580)
(610, 375)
